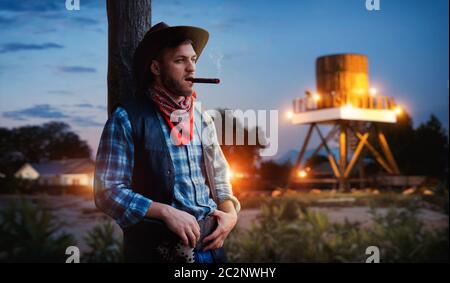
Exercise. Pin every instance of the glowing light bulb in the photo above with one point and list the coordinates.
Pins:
(230, 174)
(302, 173)
(289, 115)
(398, 110)
(316, 97)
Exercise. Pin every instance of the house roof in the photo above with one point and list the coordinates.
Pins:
(65, 166)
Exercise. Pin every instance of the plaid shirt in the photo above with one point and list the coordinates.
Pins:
(114, 167)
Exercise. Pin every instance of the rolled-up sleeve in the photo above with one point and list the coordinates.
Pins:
(113, 172)
(221, 168)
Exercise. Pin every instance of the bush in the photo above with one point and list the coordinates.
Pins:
(104, 246)
(401, 237)
(29, 233)
(11, 185)
(287, 233)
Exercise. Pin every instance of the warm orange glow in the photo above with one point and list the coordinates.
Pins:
(398, 110)
(360, 91)
(239, 175)
(230, 174)
(302, 173)
(289, 115)
(373, 91)
(235, 175)
(348, 106)
(316, 97)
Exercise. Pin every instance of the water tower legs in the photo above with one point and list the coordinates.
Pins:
(343, 148)
(348, 158)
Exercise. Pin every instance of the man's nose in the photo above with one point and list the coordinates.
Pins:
(191, 66)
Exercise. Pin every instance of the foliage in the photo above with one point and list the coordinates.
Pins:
(50, 141)
(421, 151)
(278, 174)
(432, 137)
(242, 155)
(285, 231)
(29, 233)
(401, 237)
(103, 245)
(288, 233)
(11, 185)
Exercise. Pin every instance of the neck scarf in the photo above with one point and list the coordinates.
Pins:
(178, 115)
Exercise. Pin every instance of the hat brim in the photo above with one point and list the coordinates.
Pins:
(153, 42)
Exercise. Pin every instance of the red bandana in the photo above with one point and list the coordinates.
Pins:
(178, 115)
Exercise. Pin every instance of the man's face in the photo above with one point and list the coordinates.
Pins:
(176, 65)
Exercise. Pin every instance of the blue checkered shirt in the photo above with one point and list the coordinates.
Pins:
(114, 167)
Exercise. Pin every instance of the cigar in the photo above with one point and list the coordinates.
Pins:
(204, 80)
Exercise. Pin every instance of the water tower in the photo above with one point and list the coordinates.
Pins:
(344, 101)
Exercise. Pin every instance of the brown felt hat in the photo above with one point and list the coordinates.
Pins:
(160, 36)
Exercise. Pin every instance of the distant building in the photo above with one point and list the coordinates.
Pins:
(67, 172)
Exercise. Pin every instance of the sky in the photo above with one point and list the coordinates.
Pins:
(53, 62)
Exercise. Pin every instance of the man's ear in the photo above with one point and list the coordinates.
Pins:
(154, 68)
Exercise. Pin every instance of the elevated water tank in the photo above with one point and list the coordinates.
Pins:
(342, 79)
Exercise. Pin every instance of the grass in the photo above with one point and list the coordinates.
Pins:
(288, 232)
(103, 245)
(30, 233)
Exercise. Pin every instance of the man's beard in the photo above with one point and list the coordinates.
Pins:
(174, 86)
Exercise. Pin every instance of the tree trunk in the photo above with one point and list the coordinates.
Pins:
(128, 21)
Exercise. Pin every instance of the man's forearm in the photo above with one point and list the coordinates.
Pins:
(228, 207)
(157, 210)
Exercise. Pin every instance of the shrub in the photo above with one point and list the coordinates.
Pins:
(29, 233)
(287, 233)
(401, 237)
(9, 185)
(104, 246)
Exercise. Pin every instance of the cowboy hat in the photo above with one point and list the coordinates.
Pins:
(160, 36)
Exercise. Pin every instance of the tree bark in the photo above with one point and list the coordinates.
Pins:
(128, 21)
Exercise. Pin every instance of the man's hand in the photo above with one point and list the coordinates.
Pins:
(226, 222)
(181, 223)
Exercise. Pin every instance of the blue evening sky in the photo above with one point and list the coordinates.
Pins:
(53, 62)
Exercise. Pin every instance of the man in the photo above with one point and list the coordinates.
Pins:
(156, 174)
